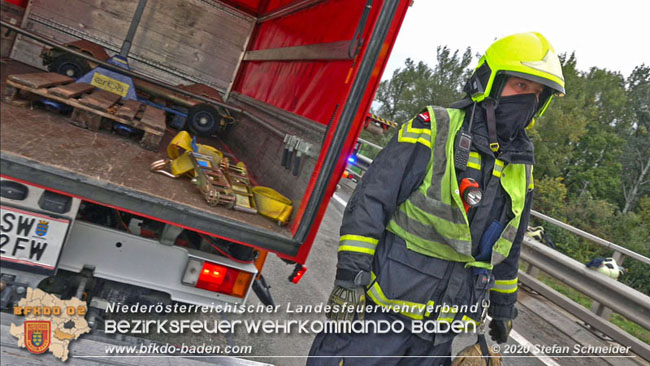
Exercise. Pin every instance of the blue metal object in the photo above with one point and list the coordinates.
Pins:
(124, 129)
(105, 79)
(52, 105)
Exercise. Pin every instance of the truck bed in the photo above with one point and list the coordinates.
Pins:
(43, 148)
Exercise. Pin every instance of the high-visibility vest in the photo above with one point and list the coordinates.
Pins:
(432, 221)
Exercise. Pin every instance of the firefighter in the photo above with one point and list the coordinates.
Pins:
(413, 245)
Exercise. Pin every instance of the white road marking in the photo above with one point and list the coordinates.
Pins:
(524, 342)
(340, 200)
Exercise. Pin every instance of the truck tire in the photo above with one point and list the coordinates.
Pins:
(69, 65)
(203, 120)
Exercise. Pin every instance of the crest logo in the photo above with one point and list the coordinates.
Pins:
(37, 335)
(42, 227)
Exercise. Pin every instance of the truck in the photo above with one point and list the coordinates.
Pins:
(83, 213)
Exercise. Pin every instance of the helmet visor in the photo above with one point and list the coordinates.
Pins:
(557, 88)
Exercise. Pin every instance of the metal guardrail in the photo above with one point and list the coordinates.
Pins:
(623, 299)
(594, 321)
(371, 144)
(595, 239)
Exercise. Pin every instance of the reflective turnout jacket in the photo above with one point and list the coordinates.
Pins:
(405, 222)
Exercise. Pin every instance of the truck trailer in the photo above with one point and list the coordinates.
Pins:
(83, 212)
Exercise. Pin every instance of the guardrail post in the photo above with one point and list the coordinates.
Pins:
(598, 308)
(532, 270)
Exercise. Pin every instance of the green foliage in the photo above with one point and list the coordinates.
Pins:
(550, 195)
(417, 85)
(634, 329)
(636, 156)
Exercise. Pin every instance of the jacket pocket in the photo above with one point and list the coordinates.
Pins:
(409, 276)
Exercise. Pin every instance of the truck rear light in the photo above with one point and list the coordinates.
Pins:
(217, 278)
(211, 277)
(297, 274)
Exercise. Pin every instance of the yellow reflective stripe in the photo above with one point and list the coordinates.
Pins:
(430, 306)
(469, 320)
(358, 243)
(498, 168)
(377, 295)
(359, 238)
(505, 286)
(509, 291)
(414, 135)
(474, 161)
(507, 282)
(349, 248)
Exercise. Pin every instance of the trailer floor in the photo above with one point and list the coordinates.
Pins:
(50, 141)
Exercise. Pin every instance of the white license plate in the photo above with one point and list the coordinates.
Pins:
(30, 238)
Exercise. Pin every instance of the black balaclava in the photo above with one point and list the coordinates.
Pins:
(513, 114)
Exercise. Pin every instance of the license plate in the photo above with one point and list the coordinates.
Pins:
(32, 239)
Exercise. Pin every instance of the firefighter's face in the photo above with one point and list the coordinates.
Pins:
(516, 86)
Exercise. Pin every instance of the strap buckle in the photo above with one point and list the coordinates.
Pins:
(159, 166)
(494, 146)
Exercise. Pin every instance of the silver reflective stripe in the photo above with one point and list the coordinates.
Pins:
(414, 135)
(437, 208)
(496, 258)
(529, 177)
(509, 233)
(429, 233)
(474, 161)
(439, 152)
(498, 168)
(505, 286)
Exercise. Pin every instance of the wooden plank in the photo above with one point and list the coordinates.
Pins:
(154, 118)
(39, 80)
(128, 109)
(322, 51)
(85, 119)
(100, 99)
(71, 90)
(75, 103)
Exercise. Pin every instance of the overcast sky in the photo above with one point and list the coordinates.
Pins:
(611, 34)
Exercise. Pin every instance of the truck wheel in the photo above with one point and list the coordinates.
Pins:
(69, 65)
(203, 120)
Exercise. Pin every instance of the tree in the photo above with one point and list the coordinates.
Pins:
(595, 166)
(556, 134)
(636, 158)
(417, 85)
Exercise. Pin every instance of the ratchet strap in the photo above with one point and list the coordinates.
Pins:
(272, 204)
(179, 161)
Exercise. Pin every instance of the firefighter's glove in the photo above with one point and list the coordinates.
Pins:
(500, 329)
(346, 303)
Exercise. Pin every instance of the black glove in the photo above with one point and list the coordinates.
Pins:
(500, 329)
(346, 303)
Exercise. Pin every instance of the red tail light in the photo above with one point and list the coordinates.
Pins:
(297, 274)
(211, 276)
(217, 278)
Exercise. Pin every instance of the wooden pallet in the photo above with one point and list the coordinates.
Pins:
(93, 108)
